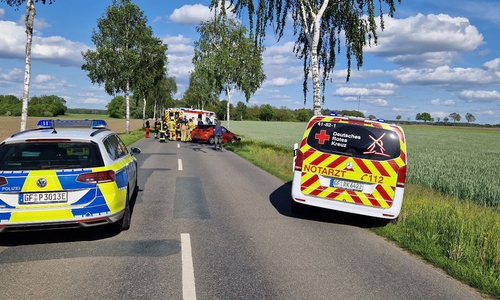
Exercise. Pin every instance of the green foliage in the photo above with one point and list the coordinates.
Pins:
(226, 60)
(303, 115)
(349, 23)
(86, 111)
(127, 56)
(200, 91)
(266, 112)
(18, 3)
(470, 117)
(46, 106)
(116, 108)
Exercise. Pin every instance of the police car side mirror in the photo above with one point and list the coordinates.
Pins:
(135, 150)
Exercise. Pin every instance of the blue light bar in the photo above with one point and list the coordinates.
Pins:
(381, 120)
(333, 114)
(49, 124)
(44, 124)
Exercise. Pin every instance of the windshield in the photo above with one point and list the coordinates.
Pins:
(354, 140)
(49, 155)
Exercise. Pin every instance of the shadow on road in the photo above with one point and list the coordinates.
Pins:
(62, 235)
(281, 198)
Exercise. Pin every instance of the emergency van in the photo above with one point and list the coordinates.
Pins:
(350, 164)
(206, 116)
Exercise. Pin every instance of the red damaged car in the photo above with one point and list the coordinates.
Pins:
(205, 133)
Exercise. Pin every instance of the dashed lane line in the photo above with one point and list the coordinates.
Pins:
(188, 284)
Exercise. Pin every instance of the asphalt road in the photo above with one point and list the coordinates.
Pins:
(210, 225)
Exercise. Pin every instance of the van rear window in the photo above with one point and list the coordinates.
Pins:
(354, 140)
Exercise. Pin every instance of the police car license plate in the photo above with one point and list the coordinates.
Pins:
(346, 185)
(35, 198)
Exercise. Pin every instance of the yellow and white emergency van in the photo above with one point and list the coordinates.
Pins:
(350, 164)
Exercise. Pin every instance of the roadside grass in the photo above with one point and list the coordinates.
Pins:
(458, 236)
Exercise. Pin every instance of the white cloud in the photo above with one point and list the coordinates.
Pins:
(2, 12)
(55, 49)
(14, 75)
(480, 96)
(439, 102)
(430, 40)
(41, 78)
(191, 14)
(194, 14)
(280, 81)
(348, 91)
(447, 77)
(493, 65)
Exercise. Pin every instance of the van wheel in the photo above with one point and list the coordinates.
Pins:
(297, 208)
(211, 140)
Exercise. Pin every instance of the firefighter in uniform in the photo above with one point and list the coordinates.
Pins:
(171, 128)
(163, 131)
(191, 127)
(157, 127)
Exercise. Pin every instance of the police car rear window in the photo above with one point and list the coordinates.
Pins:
(49, 155)
(354, 140)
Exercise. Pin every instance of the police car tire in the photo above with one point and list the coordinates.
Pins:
(124, 222)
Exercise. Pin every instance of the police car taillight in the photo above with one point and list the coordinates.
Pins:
(3, 180)
(97, 177)
(401, 177)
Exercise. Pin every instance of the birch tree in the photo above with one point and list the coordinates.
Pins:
(231, 59)
(29, 21)
(124, 46)
(321, 26)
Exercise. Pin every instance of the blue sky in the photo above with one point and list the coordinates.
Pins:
(438, 57)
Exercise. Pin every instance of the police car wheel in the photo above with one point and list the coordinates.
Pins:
(124, 222)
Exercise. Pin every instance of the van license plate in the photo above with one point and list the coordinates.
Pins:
(35, 198)
(346, 185)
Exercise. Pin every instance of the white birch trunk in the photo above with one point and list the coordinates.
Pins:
(127, 103)
(311, 24)
(29, 21)
(229, 93)
(144, 112)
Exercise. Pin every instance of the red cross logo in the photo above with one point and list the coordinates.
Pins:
(322, 137)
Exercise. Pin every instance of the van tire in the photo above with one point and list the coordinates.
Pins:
(297, 208)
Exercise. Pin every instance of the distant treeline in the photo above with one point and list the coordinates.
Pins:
(87, 111)
(38, 106)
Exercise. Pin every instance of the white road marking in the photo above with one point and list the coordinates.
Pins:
(188, 285)
(179, 162)
(178, 145)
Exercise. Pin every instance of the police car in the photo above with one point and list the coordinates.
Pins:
(66, 173)
(350, 164)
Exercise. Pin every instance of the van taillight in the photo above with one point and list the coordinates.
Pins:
(401, 177)
(298, 160)
(97, 177)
